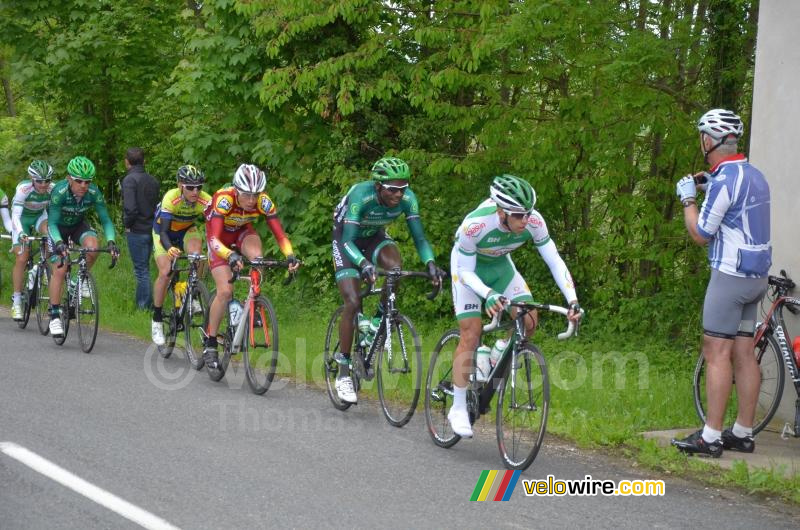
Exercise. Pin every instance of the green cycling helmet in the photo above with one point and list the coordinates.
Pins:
(40, 170)
(189, 174)
(81, 167)
(512, 194)
(390, 168)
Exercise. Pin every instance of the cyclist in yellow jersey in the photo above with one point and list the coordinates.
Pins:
(175, 231)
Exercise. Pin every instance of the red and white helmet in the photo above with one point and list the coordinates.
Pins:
(249, 179)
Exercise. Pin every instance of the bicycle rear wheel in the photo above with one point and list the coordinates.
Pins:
(439, 390)
(329, 365)
(65, 310)
(771, 366)
(260, 345)
(42, 301)
(87, 311)
(195, 323)
(522, 406)
(399, 371)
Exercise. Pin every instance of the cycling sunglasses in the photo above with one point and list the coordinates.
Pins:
(40, 181)
(81, 181)
(394, 189)
(193, 187)
(518, 215)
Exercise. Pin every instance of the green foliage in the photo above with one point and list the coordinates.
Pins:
(592, 102)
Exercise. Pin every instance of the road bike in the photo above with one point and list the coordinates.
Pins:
(251, 329)
(32, 284)
(773, 351)
(79, 298)
(186, 309)
(394, 355)
(520, 379)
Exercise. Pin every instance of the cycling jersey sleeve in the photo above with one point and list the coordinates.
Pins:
(558, 269)
(411, 210)
(716, 204)
(6, 217)
(214, 228)
(54, 216)
(105, 219)
(17, 207)
(161, 228)
(466, 259)
(349, 234)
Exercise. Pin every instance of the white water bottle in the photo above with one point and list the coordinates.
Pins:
(32, 276)
(482, 364)
(497, 351)
(235, 311)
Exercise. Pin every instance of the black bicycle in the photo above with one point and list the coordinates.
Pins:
(186, 309)
(79, 298)
(519, 377)
(773, 351)
(396, 346)
(252, 329)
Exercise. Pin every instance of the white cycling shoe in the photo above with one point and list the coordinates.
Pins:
(345, 390)
(56, 329)
(459, 422)
(157, 333)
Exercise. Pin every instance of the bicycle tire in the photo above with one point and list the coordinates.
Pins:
(533, 381)
(43, 298)
(28, 299)
(773, 377)
(195, 325)
(87, 316)
(439, 388)
(64, 311)
(399, 390)
(329, 365)
(261, 358)
(169, 321)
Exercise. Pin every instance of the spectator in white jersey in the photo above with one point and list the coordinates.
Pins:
(734, 223)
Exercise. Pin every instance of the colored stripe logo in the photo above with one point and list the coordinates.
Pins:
(495, 485)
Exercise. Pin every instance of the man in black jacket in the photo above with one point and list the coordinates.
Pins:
(140, 194)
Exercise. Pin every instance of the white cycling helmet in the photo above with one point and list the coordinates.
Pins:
(719, 123)
(249, 179)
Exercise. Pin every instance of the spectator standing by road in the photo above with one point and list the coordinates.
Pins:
(140, 194)
(734, 222)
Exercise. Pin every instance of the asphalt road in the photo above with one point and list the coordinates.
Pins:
(198, 454)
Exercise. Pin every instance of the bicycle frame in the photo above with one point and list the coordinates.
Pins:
(191, 281)
(775, 325)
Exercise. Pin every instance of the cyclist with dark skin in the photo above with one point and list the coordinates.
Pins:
(360, 242)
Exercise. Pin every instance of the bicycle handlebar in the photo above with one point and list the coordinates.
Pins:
(571, 330)
(264, 263)
(396, 274)
(81, 250)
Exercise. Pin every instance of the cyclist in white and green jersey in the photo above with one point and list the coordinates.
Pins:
(483, 274)
(28, 213)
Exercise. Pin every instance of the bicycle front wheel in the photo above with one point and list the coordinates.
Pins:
(87, 311)
(771, 366)
(28, 300)
(42, 293)
(329, 365)
(439, 390)
(169, 322)
(195, 322)
(522, 406)
(260, 345)
(399, 370)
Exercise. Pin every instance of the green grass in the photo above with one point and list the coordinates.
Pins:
(604, 391)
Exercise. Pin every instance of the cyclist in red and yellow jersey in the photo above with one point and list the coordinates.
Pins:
(229, 223)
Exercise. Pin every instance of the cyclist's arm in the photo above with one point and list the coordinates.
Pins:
(54, 218)
(161, 227)
(411, 210)
(703, 226)
(465, 272)
(275, 226)
(214, 228)
(349, 234)
(105, 219)
(559, 270)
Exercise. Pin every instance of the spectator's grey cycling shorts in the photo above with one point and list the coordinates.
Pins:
(731, 304)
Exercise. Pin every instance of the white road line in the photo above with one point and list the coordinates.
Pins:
(127, 510)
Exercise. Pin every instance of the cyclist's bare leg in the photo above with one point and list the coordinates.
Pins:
(349, 289)
(747, 374)
(470, 330)
(164, 263)
(90, 242)
(57, 275)
(18, 276)
(222, 276)
(251, 246)
(719, 378)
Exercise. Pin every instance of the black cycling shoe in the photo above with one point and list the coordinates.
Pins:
(695, 445)
(211, 357)
(734, 443)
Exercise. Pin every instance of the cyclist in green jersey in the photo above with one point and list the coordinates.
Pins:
(28, 213)
(360, 241)
(481, 270)
(70, 200)
(175, 230)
